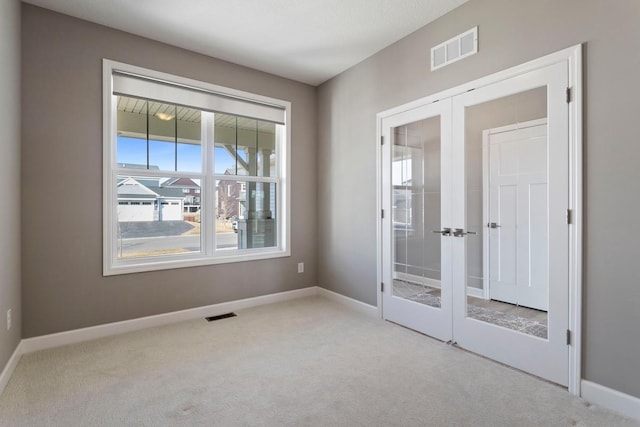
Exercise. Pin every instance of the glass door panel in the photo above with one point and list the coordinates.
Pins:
(510, 244)
(416, 211)
(506, 212)
(416, 254)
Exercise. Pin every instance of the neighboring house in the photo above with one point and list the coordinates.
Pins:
(231, 197)
(158, 199)
(147, 200)
(190, 192)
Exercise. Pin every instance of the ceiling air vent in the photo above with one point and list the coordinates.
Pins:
(454, 49)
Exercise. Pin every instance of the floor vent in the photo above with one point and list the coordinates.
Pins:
(222, 316)
(454, 49)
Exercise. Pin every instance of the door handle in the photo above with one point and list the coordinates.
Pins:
(445, 231)
(493, 225)
(459, 232)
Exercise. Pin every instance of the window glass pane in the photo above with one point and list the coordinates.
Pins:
(189, 145)
(225, 137)
(157, 216)
(132, 152)
(189, 158)
(267, 149)
(247, 147)
(244, 146)
(260, 216)
(132, 132)
(230, 208)
(158, 136)
(162, 136)
(246, 214)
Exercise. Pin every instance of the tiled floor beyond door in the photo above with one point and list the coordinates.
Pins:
(499, 313)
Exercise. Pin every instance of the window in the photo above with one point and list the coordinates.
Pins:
(167, 137)
(402, 189)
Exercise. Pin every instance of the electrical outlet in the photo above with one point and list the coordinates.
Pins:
(8, 319)
(301, 267)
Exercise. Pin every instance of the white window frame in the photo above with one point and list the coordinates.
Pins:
(208, 254)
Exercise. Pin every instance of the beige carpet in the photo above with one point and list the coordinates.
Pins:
(308, 362)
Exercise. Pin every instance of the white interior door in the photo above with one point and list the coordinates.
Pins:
(528, 181)
(517, 214)
(416, 199)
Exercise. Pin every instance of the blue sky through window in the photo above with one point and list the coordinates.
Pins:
(163, 155)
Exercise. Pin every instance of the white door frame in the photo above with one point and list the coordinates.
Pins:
(572, 56)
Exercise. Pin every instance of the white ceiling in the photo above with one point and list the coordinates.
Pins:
(305, 40)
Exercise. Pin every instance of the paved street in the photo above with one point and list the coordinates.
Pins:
(188, 242)
(135, 229)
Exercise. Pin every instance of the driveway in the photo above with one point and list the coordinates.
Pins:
(153, 228)
(190, 243)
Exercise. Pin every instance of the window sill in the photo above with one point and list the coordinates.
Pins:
(192, 260)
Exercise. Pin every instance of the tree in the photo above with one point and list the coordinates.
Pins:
(228, 192)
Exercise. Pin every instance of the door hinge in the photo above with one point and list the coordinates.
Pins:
(382, 213)
(568, 95)
(568, 337)
(381, 286)
(569, 216)
(381, 140)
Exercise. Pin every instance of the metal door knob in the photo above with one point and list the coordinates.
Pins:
(444, 231)
(459, 232)
(493, 225)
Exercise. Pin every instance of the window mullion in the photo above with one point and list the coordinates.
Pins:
(207, 215)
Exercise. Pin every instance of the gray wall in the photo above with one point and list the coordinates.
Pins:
(63, 286)
(10, 176)
(511, 32)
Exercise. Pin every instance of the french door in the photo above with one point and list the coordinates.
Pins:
(417, 183)
(475, 240)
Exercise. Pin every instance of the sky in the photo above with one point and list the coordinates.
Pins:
(163, 155)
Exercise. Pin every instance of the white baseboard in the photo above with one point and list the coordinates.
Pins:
(366, 309)
(5, 376)
(609, 398)
(43, 342)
